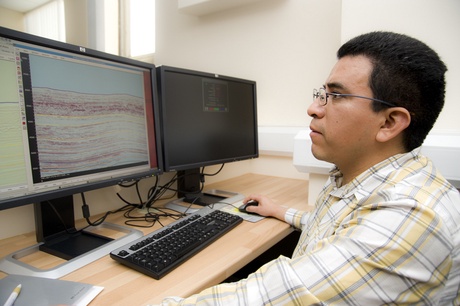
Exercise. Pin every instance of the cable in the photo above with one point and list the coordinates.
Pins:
(127, 186)
(86, 213)
(214, 174)
(155, 193)
(208, 174)
(202, 179)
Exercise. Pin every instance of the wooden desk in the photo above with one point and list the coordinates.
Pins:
(124, 286)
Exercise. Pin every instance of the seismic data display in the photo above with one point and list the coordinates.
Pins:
(86, 117)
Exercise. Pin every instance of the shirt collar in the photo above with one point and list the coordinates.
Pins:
(381, 169)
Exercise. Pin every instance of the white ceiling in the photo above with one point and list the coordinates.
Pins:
(22, 5)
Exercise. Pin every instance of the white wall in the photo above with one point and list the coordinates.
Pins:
(286, 46)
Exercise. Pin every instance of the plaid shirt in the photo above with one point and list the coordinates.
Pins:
(391, 236)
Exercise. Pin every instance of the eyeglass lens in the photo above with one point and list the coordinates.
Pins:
(321, 95)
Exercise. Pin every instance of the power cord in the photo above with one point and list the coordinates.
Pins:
(86, 213)
(155, 193)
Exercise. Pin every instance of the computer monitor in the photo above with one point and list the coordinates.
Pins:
(206, 119)
(71, 120)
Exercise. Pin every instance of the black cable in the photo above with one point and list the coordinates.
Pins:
(202, 180)
(150, 218)
(154, 194)
(214, 174)
(86, 213)
(125, 201)
(129, 185)
(141, 203)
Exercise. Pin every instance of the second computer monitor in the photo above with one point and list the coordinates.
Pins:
(206, 119)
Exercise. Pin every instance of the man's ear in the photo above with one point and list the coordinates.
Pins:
(396, 120)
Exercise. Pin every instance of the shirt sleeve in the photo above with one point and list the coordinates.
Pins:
(260, 288)
(296, 218)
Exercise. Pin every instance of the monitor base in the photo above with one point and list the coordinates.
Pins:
(222, 198)
(11, 264)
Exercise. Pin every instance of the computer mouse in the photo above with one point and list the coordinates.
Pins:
(242, 208)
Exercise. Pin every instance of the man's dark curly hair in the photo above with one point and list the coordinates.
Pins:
(405, 72)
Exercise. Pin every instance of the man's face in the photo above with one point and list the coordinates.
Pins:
(343, 130)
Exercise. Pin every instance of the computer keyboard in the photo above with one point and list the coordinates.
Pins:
(159, 252)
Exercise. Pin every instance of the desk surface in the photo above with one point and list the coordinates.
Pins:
(124, 286)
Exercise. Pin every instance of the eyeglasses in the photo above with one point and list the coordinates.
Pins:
(322, 96)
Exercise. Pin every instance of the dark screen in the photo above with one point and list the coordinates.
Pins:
(206, 119)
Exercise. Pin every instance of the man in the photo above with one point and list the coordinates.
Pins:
(386, 226)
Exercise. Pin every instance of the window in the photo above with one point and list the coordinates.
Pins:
(124, 27)
(47, 21)
(137, 28)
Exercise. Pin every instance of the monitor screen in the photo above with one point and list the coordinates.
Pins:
(207, 119)
(72, 119)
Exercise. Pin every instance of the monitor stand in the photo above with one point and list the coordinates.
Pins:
(226, 198)
(57, 235)
(189, 193)
(189, 189)
(202, 199)
(189, 184)
(55, 227)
